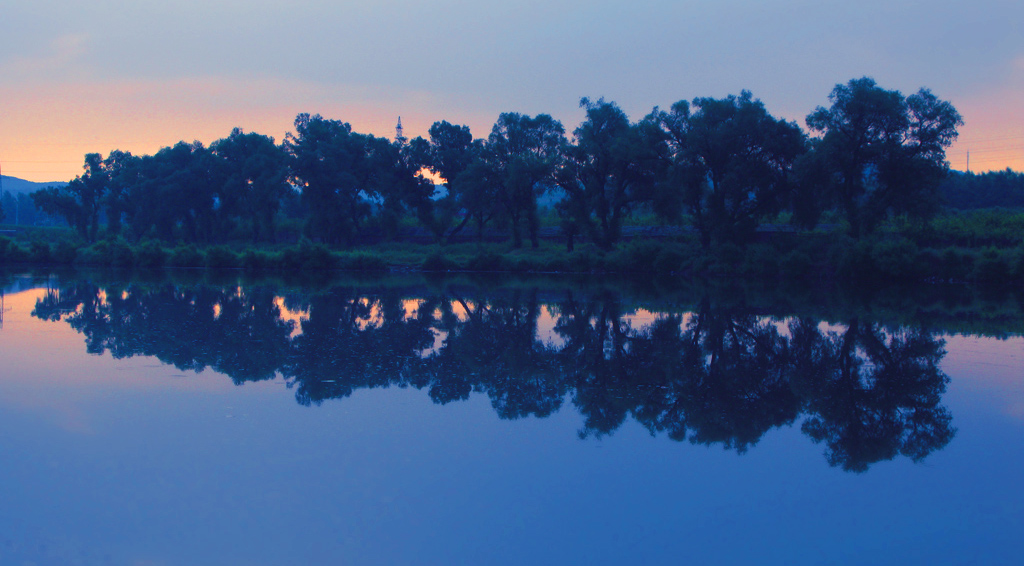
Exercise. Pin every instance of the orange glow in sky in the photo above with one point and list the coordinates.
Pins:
(79, 78)
(55, 129)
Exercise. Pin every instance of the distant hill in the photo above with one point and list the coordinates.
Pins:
(17, 186)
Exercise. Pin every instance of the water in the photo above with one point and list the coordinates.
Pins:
(529, 422)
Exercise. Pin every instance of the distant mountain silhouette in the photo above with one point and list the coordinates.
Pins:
(17, 186)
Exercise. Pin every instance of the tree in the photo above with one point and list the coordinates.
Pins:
(611, 167)
(256, 179)
(327, 165)
(731, 163)
(523, 153)
(122, 172)
(80, 201)
(178, 193)
(966, 190)
(481, 186)
(391, 181)
(881, 153)
(449, 153)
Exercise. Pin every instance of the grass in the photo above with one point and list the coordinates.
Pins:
(983, 247)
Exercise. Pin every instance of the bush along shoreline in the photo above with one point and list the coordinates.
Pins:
(880, 260)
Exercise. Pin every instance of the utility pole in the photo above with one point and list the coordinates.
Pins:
(968, 161)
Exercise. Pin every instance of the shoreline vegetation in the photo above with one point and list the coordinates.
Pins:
(981, 247)
(708, 188)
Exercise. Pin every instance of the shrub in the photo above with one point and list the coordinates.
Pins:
(761, 261)
(635, 256)
(255, 260)
(39, 252)
(725, 259)
(669, 260)
(856, 263)
(949, 264)
(119, 253)
(64, 252)
(186, 256)
(220, 257)
(581, 260)
(993, 267)
(1018, 266)
(488, 261)
(796, 264)
(150, 254)
(881, 261)
(11, 252)
(896, 260)
(437, 262)
(362, 262)
(96, 254)
(308, 256)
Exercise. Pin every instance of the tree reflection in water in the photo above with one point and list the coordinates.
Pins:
(722, 375)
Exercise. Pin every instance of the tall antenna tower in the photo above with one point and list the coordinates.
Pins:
(400, 138)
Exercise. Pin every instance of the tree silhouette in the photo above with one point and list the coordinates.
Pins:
(256, 180)
(731, 162)
(80, 201)
(611, 167)
(881, 152)
(329, 168)
(523, 153)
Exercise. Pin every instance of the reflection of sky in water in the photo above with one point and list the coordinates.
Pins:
(990, 370)
(131, 462)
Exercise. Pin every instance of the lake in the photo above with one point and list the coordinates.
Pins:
(213, 419)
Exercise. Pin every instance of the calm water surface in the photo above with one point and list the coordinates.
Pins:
(454, 423)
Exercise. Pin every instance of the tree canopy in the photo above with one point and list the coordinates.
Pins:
(720, 165)
(881, 152)
(731, 161)
(611, 167)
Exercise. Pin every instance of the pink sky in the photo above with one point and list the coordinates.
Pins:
(78, 78)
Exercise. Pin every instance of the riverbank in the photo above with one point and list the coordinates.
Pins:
(807, 256)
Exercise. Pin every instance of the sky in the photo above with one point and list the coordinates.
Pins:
(80, 77)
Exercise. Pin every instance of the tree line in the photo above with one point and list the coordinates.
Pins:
(971, 191)
(721, 165)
